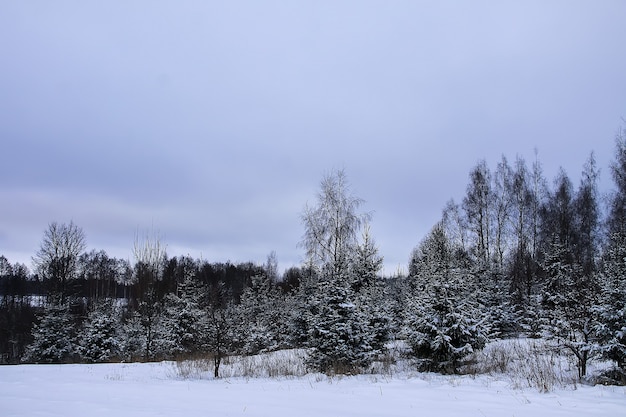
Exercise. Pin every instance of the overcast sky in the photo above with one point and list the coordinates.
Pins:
(214, 122)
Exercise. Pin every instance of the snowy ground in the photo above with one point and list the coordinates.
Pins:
(158, 389)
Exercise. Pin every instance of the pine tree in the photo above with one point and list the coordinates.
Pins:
(132, 340)
(298, 302)
(53, 337)
(612, 308)
(339, 332)
(611, 327)
(180, 328)
(366, 263)
(262, 317)
(443, 328)
(370, 292)
(98, 337)
(442, 325)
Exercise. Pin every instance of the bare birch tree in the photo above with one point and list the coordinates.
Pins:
(331, 227)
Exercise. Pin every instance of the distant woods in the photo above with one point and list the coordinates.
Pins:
(93, 280)
(518, 254)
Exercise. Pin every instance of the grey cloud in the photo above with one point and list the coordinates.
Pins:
(216, 120)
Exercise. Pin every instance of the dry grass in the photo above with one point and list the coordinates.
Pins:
(524, 363)
(527, 363)
(274, 364)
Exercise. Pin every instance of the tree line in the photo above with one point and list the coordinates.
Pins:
(518, 255)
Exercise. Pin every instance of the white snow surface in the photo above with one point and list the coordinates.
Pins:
(156, 389)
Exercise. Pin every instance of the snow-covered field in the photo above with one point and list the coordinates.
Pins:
(158, 389)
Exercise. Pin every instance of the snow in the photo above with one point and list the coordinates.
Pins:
(156, 389)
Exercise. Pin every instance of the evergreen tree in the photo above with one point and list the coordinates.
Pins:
(377, 305)
(299, 302)
(366, 262)
(98, 338)
(133, 338)
(611, 310)
(53, 337)
(262, 317)
(370, 292)
(339, 332)
(180, 328)
(442, 324)
(443, 328)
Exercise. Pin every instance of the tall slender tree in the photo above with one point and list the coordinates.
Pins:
(617, 210)
(539, 191)
(502, 205)
(587, 218)
(522, 269)
(455, 224)
(477, 203)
